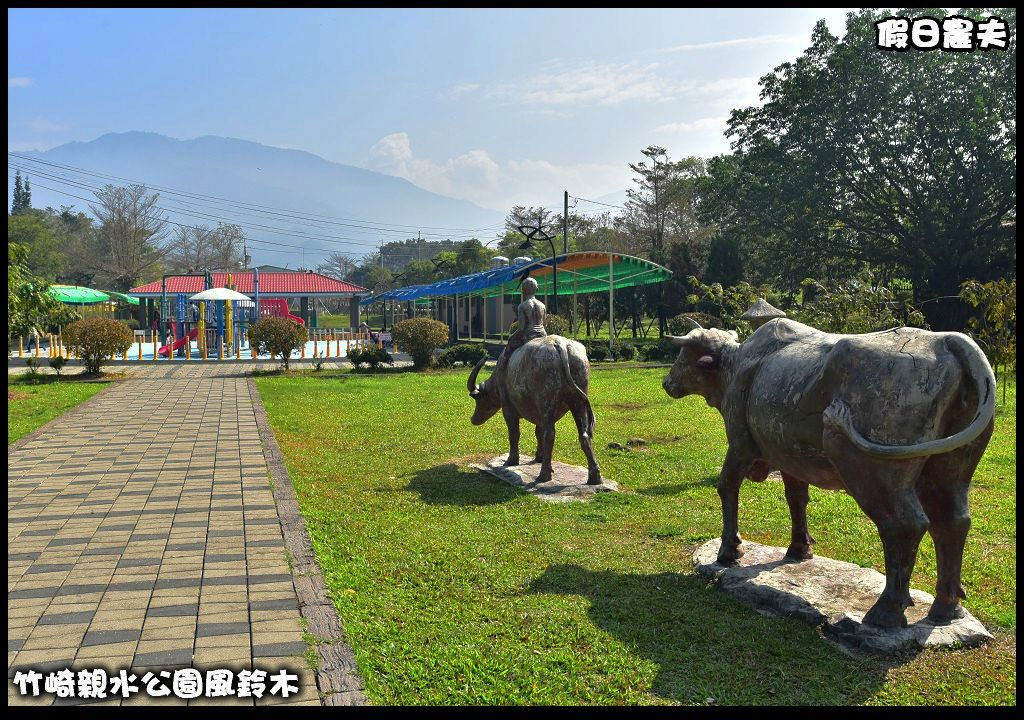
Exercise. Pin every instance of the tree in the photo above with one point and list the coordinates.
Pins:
(337, 265)
(472, 257)
(75, 235)
(44, 255)
(902, 159)
(22, 200)
(131, 234)
(28, 302)
(995, 327)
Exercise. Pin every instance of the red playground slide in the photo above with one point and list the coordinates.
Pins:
(178, 343)
(277, 307)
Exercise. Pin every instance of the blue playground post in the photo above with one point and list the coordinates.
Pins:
(220, 326)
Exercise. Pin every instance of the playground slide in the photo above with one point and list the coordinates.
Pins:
(178, 343)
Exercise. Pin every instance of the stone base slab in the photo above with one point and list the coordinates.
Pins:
(567, 483)
(835, 594)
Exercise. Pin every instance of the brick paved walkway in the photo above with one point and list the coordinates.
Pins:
(142, 532)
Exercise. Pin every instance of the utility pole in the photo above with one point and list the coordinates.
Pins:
(565, 223)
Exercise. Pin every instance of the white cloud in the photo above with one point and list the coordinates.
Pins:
(14, 81)
(590, 83)
(477, 177)
(595, 84)
(465, 88)
(699, 125)
(757, 40)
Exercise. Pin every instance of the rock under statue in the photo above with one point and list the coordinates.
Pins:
(898, 419)
(538, 377)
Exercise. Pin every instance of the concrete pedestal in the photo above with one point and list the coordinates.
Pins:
(831, 593)
(568, 482)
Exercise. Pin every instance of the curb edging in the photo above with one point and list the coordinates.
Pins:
(337, 677)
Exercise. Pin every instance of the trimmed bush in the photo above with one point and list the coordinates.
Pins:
(277, 336)
(97, 340)
(625, 351)
(372, 356)
(420, 337)
(466, 353)
(131, 323)
(57, 363)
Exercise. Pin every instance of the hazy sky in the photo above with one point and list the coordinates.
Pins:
(499, 107)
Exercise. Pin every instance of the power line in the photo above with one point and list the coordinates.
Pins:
(595, 202)
(375, 226)
(338, 239)
(248, 239)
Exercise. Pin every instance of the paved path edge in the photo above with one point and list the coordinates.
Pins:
(337, 677)
(26, 439)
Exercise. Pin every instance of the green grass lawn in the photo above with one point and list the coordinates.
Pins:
(35, 401)
(455, 588)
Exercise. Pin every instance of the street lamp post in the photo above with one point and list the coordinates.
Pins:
(531, 232)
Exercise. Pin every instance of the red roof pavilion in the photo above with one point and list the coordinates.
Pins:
(272, 284)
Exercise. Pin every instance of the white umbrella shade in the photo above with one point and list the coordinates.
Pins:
(219, 294)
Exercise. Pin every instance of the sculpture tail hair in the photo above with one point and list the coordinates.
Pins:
(591, 418)
(839, 416)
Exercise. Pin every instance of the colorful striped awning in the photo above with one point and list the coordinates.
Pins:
(579, 272)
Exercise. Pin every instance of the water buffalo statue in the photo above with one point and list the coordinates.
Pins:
(898, 419)
(542, 380)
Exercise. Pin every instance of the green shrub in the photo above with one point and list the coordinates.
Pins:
(130, 323)
(420, 337)
(465, 353)
(97, 340)
(30, 363)
(661, 351)
(277, 336)
(597, 350)
(625, 351)
(372, 356)
(57, 363)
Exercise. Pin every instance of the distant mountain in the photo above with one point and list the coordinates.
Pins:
(239, 170)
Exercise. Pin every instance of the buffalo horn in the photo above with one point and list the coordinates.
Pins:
(471, 383)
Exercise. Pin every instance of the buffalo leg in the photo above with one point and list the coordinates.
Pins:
(582, 418)
(545, 448)
(729, 491)
(884, 489)
(512, 421)
(942, 490)
(538, 432)
(801, 540)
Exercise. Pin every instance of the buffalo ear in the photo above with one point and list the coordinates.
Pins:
(707, 362)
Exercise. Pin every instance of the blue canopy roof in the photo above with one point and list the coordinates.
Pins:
(589, 270)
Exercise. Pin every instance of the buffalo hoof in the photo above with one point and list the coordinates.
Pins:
(943, 613)
(729, 555)
(885, 614)
(512, 461)
(799, 551)
(594, 478)
(545, 476)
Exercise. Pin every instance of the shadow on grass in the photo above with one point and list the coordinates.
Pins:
(707, 645)
(676, 488)
(48, 379)
(451, 484)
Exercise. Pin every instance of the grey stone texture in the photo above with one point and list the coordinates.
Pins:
(831, 593)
